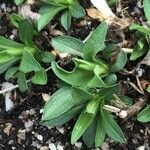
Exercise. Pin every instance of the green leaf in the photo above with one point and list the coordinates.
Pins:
(120, 62)
(110, 79)
(140, 29)
(16, 52)
(15, 19)
(47, 57)
(29, 63)
(141, 48)
(77, 77)
(4, 67)
(148, 89)
(81, 125)
(6, 44)
(40, 77)
(66, 44)
(18, 2)
(109, 51)
(92, 106)
(25, 28)
(96, 81)
(65, 117)
(11, 72)
(76, 10)
(66, 2)
(146, 4)
(59, 103)
(107, 92)
(111, 127)
(95, 42)
(80, 95)
(66, 20)
(144, 115)
(100, 133)
(22, 83)
(4, 57)
(89, 135)
(47, 14)
(84, 64)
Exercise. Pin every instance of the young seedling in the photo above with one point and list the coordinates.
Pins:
(21, 60)
(142, 45)
(68, 9)
(87, 89)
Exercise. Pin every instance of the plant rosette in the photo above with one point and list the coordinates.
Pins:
(88, 87)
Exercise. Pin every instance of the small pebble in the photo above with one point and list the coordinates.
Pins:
(21, 134)
(61, 130)
(40, 137)
(32, 112)
(52, 146)
(28, 125)
(10, 142)
(44, 148)
(78, 144)
(60, 147)
(41, 111)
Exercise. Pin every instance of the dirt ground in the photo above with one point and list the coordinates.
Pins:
(20, 128)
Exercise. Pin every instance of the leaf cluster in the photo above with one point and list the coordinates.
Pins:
(68, 9)
(89, 86)
(23, 59)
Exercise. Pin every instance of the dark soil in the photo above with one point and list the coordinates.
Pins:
(20, 128)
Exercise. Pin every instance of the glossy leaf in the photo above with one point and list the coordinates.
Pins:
(144, 115)
(66, 44)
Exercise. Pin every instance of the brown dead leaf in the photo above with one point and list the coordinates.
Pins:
(8, 128)
(144, 84)
(111, 20)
